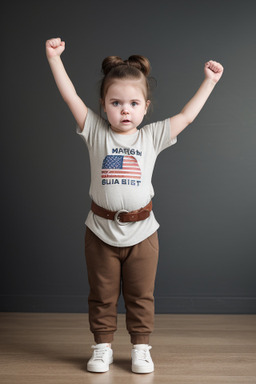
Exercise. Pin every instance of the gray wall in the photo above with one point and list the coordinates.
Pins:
(205, 185)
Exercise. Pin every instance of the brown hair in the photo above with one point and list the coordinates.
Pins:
(136, 67)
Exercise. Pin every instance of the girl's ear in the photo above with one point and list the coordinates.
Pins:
(147, 106)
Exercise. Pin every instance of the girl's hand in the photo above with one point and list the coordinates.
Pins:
(54, 47)
(213, 70)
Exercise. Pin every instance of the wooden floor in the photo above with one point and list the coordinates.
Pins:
(54, 348)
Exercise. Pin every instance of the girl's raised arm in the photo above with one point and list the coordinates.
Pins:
(213, 72)
(54, 48)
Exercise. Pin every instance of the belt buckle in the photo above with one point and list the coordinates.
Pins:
(117, 218)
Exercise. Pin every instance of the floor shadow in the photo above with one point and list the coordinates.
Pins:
(81, 364)
(124, 364)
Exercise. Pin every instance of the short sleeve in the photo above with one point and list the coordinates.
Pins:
(161, 135)
(92, 124)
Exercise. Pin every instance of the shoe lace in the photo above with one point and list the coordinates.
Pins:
(98, 353)
(143, 354)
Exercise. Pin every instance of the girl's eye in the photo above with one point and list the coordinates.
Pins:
(115, 103)
(134, 104)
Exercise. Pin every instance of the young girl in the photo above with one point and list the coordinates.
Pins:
(121, 242)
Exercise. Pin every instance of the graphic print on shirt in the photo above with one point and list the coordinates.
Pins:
(120, 169)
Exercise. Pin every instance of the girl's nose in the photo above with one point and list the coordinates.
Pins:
(125, 111)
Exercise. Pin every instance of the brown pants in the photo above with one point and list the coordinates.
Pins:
(109, 268)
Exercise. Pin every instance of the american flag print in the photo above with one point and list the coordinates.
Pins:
(118, 166)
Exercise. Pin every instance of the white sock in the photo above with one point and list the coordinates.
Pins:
(140, 345)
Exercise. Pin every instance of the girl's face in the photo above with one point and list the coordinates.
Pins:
(125, 105)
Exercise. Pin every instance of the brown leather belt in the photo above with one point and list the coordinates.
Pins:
(122, 217)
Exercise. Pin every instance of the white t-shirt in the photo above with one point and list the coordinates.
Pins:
(121, 172)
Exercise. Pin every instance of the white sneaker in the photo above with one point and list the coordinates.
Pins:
(101, 358)
(141, 359)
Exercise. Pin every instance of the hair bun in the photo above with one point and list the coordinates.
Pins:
(111, 62)
(140, 62)
(137, 61)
